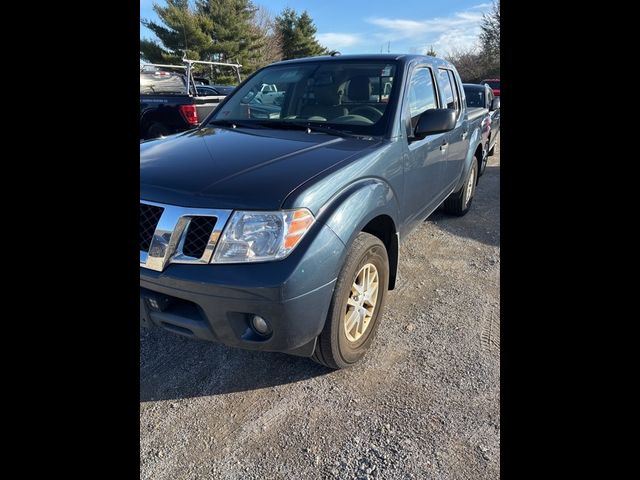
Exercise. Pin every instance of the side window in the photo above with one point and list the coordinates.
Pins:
(456, 93)
(448, 90)
(422, 94)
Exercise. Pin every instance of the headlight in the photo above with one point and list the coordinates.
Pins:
(262, 236)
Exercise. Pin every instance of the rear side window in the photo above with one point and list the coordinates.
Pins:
(422, 94)
(162, 83)
(448, 90)
(456, 94)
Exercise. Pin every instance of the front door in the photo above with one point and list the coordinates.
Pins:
(423, 169)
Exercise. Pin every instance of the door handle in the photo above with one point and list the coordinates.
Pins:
(443, 147)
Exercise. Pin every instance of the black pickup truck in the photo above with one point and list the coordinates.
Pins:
(166, 107)
(278, 230)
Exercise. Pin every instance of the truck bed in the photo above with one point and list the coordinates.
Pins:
(475, 112)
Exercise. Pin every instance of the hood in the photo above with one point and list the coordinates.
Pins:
(239, 168)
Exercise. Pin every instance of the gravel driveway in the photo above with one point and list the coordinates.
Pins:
(423, 404)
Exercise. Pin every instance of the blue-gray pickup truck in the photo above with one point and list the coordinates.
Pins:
(280, 232)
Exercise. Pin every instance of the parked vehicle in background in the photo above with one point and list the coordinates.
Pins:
(281, 233)
(165, 105)
(213, 90)
(213, 93)
(494, 83)
(269, 95)
(481, 97)
(171, 101)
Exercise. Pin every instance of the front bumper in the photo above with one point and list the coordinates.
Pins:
(216, 302)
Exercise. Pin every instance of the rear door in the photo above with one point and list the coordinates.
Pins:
(457, 139)
(495, 118)
(423, 165)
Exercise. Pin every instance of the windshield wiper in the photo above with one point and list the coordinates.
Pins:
(311, 127)
(329, 130)
(232, 123)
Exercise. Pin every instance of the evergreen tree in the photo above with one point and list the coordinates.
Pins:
(297, 35)
(180, 35)
(229, 25)
(431, 52)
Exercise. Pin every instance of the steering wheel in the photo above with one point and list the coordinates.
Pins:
(374, 113)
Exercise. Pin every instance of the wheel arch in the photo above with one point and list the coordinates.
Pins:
(371, 206)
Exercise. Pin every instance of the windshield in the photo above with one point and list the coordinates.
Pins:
(475, 97)
(351, 96)
(162, 83)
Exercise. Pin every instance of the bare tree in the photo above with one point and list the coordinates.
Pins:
(474, 65)
(490, 36)
(270, 44)
(482, 62)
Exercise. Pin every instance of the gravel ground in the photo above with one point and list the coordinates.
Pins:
(423, 404)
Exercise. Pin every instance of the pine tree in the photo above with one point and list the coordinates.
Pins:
(297, 34)
(181, 35)
(309, 46)
(228, 23)
(431, 52)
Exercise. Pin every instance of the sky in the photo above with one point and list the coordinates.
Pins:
(372, 26)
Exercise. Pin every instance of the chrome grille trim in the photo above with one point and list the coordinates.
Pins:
(169, 236)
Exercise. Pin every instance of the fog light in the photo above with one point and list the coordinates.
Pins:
(158, 303)
(260, 325)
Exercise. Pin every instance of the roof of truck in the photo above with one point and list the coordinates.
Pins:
(367, 56)
(478, 86)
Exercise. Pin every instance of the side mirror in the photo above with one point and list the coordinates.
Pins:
(436, 120)
(495, 104)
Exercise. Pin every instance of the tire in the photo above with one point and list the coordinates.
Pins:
(483, 164)
(493, 149)
(157, 129)
(459, 203)
(334, 348)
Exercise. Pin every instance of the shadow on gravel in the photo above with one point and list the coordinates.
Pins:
(482, 223)
(173, 367)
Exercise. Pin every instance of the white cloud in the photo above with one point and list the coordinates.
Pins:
(333, 40)
(482, 6)
(457, 31)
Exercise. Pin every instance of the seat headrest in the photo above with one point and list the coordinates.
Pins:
(327, 95)
(359, 89)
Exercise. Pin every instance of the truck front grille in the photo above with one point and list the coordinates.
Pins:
(149, 218)
(174, 234)
(197, 236)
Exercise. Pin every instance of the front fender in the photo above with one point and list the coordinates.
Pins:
(351, 209)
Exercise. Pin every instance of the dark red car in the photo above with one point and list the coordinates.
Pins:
(494, 83)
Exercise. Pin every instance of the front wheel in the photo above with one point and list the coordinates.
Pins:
(459, 203)
(356, 306)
